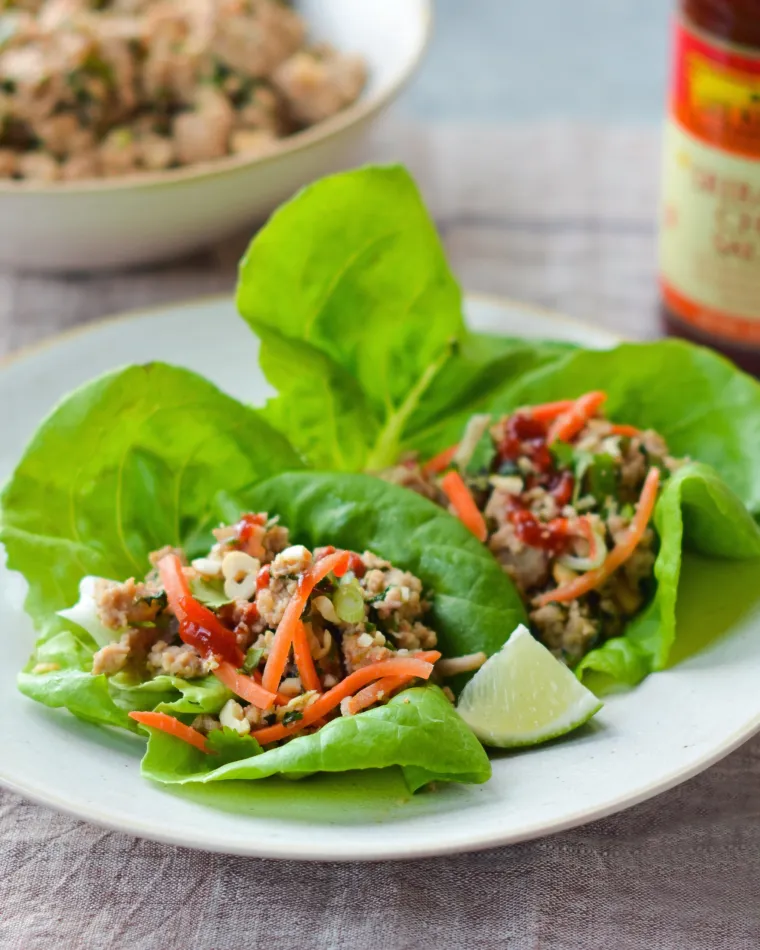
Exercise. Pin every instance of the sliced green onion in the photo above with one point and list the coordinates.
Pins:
(348, 602)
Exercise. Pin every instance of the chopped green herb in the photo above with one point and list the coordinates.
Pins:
(252, 659)
(292, 716)
(563, 454)
(601, 477)
(159, 598)
(508, 467)
(209, 592)
(482, 457)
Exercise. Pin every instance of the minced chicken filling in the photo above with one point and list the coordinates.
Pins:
(554, 511)
(97, 89)
(374, 612)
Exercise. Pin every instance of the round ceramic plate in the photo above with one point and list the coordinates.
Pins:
(644, 741)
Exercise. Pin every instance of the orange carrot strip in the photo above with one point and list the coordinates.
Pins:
(587, 530)
(570, 423)
(281, 698)
(380, 689)
(172, 727)
(464, 504)
(419, 666)
(244, 686)
(438, 463)
(548, 411)
(622, 429)
(618, 555)
(175, 584)
(336, 563)
(304, 660)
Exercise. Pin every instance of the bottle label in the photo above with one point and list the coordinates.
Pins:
(710, 232)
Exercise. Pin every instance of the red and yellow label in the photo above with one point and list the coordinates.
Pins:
(710, 232)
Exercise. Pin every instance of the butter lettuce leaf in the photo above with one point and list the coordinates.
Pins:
(698, 512)
(418, 730)
(361, 327)
(139, 458)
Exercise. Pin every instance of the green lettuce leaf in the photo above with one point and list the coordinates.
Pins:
(137, 459)
(418, 729)
(360, 323)
(142, 457)
(475, 605)
(698, 511)
(71, 685)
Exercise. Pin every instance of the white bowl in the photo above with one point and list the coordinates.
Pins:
(155, 216)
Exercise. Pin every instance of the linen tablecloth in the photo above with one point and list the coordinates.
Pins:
(560, 215)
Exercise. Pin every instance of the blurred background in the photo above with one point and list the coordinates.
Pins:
(523, 60)
(534, 130)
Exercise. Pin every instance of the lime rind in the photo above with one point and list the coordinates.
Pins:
(523, 696)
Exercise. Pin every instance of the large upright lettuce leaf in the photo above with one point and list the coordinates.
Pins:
(360, 323)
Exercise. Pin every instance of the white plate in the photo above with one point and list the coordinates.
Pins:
(110, 222)
(672, 726)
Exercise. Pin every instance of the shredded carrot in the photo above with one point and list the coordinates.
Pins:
(464, 504)
(172, 727)
(440, 462)
(618, 555)
(587, 529)
(174, 583)
(304, 660)
(419, 666)
(570, 423)
(244, 686)
(622, 429)
(336, 563)
(381, 689)
(548, 411)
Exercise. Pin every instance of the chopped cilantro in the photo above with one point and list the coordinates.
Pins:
(482, 456)
(160, 598)
(252, 659)
(508, 467)
(209, 592)
(292, 716)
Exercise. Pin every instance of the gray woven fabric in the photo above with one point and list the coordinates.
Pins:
(562, 216)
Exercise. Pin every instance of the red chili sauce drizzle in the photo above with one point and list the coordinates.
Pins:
(526, 437)
(207, 643)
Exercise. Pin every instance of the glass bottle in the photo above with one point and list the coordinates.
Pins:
(710, 224)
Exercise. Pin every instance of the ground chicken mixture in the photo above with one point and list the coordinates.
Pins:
(96, 89)
(285, 628)
(560, 495)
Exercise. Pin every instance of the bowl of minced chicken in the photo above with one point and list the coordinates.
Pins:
(134, 131)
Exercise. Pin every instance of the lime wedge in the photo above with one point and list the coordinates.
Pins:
(522, 695)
